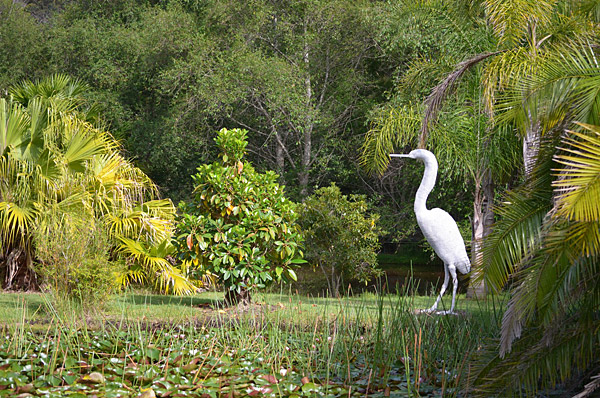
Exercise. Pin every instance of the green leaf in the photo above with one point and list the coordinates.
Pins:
(292, 274)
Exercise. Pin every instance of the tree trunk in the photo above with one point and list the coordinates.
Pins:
(279, 155)
(18, 274)
(531, 147)
(308, 127)
(483, 218)
(336, 281)
(232, 297)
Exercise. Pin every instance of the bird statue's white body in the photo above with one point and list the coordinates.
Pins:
(439, 228)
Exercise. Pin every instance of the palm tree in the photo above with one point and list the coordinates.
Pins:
(53, 157)
(548, 243)
(538, 82)
(548, 239)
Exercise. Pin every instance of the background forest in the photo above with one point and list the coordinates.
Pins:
(306, 79)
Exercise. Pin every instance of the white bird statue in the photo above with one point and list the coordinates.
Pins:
(439, 228)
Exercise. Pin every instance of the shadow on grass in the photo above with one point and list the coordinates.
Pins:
(32, 302)
(155, 299)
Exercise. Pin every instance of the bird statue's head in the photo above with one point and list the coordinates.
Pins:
(421, 154)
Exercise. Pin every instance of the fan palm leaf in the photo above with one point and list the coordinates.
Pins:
(57, 87)
(151, 221)
(13, 125)
(32, 143)
(114, 173)
(16, 221)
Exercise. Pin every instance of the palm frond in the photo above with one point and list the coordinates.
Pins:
(16, 222)
(534, 365)
(549, 328)
(434, 101)
(554, 311)
(590, 9)
(578, 183)
(518, 234)
(535, 296)
(13, 125)
(391, 128)
(132, 274)
(161, 208)
(561, 83)
(152, 220)
(152, 260)
(514, 236)
(513, 19)
(502, 73)
(503, 153)
(57, 86)
(118, 176)
(80, 150)
(32, 142)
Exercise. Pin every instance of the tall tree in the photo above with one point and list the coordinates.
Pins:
(289, 73)
(125, 52)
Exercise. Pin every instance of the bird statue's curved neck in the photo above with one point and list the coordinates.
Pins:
(427, 183)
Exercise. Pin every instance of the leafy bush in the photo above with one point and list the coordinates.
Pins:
(72, 253)
(240, 226)
(341, 236)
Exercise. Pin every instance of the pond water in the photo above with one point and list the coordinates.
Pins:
(418, 279)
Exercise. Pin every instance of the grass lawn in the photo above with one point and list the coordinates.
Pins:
(285, 345)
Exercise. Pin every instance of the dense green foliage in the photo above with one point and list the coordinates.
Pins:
(240, 226)
(535, 82)
(547, 241)
(302, 78)
(532, 79)
(342, 238)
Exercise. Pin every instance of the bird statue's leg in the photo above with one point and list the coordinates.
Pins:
(452, 269)
(442, 291)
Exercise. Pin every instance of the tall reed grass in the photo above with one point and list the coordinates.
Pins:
(374, 344)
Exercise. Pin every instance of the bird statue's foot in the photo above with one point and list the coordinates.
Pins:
(434, 311)
(446, 313)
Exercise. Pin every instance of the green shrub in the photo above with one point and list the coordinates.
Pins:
(240, 226)
(341, 236)
(72, 257)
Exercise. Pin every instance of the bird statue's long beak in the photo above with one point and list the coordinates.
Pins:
(395, 155)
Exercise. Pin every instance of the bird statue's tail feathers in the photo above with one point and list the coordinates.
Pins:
(464, 266)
